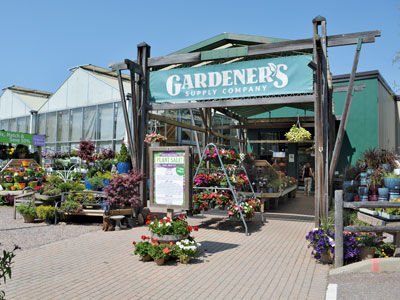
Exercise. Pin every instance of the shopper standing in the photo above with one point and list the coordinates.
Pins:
(308, 177)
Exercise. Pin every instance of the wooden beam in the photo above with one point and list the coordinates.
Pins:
(262, 49)
(231, 115)
(278, 142)
(262, 125)
(281, 120)
(345, 113)
(191, 127)
(234, 103)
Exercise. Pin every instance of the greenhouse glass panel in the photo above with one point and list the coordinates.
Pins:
(13, 125)
(51, 126)
(42, 124)
(62, 126)
(106, 121)
(89, 122)
(21, 125)
(76, 124)
(119, 121)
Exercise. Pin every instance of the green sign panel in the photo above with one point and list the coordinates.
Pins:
(8, 137)
(264, 77)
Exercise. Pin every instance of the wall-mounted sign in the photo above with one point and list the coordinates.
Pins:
(264, 77)
(278, 154)
(170, 177)
(291, 158)
(9, 137)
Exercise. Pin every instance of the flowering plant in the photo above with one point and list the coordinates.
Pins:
(322, 241)
(143, 247)
(228, 157)
(86, 150)
(187, 248)
(48, 190)
(154, 138)
(157, 251)
(369, 239)
(168, 226)
(296, 134)
(246, 208)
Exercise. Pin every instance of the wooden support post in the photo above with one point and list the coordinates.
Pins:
(319, 171)
(126, 117)
(195, 133)
(345, 113)
(338, 228)
(143, 55)
(170, 213)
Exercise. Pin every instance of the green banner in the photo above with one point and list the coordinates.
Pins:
(8, 137)
(265, 77)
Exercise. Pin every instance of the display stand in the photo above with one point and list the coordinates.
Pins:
(230, 187)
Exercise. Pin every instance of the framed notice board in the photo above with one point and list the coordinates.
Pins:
(171, 182)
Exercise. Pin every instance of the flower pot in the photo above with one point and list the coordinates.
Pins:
(146, 258)
(370, 171)
(166, 239)
(270, 190)
(391, 183)
(348, 197)
(387, 167)
(28, 219)
(326, 258)
(196, 205)
(367, 253)
(155, 144)
(160, 261)
(8, 178)
(184, 260)
(383, 192)
(363, 190)
(356, 198)
(348, 183)
(123, 167)
(88, 185)
(22, 185)
(373, 198)
(26, 163)
(374, 189)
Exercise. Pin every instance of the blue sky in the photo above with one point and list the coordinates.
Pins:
(41, 40)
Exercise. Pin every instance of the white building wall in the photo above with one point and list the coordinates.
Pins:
(11, 106)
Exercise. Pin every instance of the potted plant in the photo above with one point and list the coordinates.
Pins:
(371, 157)
(169, 230)
(368, 242)
(124, 160)
(375, 181)
(349, 194)
(391, 180)
(350, 176)
(86, 150)
(154, 139)
(46, 213)
(123, 190)
(27, 211)
(322, 243)
(142, 248)
(159, 252)
(20, 180)
(96, 183)
(297, 133)
(187, 249)
(387, 160)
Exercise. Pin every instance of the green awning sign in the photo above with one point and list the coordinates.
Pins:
(8, 137)
(265, 77)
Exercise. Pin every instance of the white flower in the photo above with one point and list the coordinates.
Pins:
(198, 244)
(167, 224)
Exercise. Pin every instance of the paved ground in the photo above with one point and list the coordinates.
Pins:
(272, 263)
(367, 286)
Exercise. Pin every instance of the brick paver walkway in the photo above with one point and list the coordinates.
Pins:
(272, 263)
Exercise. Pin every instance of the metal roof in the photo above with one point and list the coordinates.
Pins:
(34, 99)
(99, 70)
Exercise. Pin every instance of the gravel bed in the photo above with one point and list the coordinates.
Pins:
(32, 235)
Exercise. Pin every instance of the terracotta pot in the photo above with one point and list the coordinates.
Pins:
(146, 258)
(184, 260)
(326, 258)
(160, 261)
(367, 253)
(28, 219)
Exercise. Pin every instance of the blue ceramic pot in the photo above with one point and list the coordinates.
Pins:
(88, 186)
(387, 167)
(383, 192)
(123, 167)
(348, 197)
(391, 183)
(363, 190)
(348, 183)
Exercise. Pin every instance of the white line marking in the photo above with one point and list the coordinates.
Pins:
(331, 292)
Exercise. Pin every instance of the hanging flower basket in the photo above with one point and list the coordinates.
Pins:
(297, 133)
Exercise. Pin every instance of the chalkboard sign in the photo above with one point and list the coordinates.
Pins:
(171, 177)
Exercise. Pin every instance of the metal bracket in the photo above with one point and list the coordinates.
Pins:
(359, 43)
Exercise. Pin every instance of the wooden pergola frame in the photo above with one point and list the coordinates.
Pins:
(327, 151)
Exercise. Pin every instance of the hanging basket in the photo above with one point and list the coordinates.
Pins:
(298, 133)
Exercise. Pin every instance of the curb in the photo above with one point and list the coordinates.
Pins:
(375, 265)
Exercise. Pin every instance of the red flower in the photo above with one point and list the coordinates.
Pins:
(166, 250)
(148, 217)
(147, 222)
(189, 228)
(161, 221)
(171, 243)
(134, 242)
(195, 228)
(155, 216)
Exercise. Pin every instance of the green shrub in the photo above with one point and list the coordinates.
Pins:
(123, 155)
(28, 210)
(45, 212)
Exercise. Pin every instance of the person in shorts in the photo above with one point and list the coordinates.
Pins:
(308, 177)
